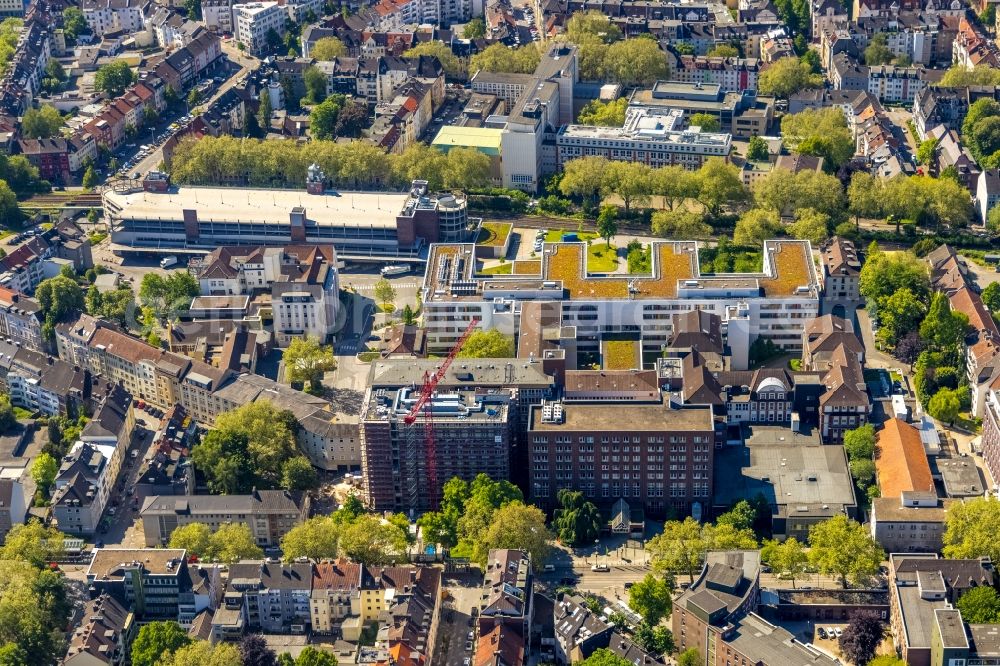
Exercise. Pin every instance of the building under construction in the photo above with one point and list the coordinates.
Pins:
(471, 433)
(475, 420)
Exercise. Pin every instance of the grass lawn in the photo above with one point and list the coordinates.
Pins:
(20, 413)
(602, 258)
(555, 235)
(368, 356)
(494, 233)
(966, 421)
(500, 269)
(895, 376)
(795, 363)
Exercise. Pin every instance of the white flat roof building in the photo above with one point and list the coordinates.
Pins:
(650, 136)
(775, 303)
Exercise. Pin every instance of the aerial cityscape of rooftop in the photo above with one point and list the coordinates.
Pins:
(499, 333)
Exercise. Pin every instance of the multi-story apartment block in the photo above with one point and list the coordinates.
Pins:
(335, 586)
(274, 597)
(841, 270)
(731, 74)
(910, 523)
(831, 348)
(270, 514)
(104, 16)
(253, 21)
(41, 383)
(104, 635)
(774, 304)
(303, 282)
(13, 504)
(742, 114)
(579, 633)
(982, 355)
(218, 15)
(923, 589)
(82, 488)
(149, 581)
(23, 269)
(650, 136)
(646, 453)
(20, 319)
(506, 611)
(987, 193)
(717, 616)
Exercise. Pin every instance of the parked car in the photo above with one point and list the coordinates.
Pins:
(600, 567)
(822, 633)
(838, 632)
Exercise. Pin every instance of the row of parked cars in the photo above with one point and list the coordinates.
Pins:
(25, 235)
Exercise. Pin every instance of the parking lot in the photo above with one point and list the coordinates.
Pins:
(456, 630)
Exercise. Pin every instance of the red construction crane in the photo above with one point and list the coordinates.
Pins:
(424, 403)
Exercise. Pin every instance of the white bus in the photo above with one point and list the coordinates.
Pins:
(395, 270)
(167, 262)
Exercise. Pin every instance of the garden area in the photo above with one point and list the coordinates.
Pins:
(494, 234)
(726, 258)
(602, 258)
(620, 354)
(499, 269)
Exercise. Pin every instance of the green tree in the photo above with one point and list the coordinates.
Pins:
(864, 196)
(449, 61)
(487, 344)
(878, 52)
(959, 76)
(604, 114)
(927, 151)
(651, 598)
(298, 474)
(607, 224)
(409, 316)
(264, 111)
(203, 653)
(786, 77)
(810, 225)
(788, 193)
(758, 150)
(370, 541)
(991, 295)
(327, 48)
(89, 178)
(635, 62)
(42, 123)
(706, 121)
(680, 224)
(863, 473)
(583, 177)
(316, 538)
(945, 405)
(517, 526)
(883, 275)
(195, 538)
(942, 328)
(742, 516)
(352, 119)
(679, 549)
(755, 226)
(786, 558)
(315, 82)
(33, 543)
(970, 529)
(384, 292)
(578, 521)
(690, 657)
(603, 657)
(233, 542)
(194, 98)
(980, 605)
(34, 612)
(168, 296)
(7, 417)
(156, 641)
(465, 169)
(474, 29)
(821, 133)
(74, 23)
(193, 8)
(724, 51)
(842, 547)
(500, 58)
(310, 656)
(43, 471)
(306, 360)
(718, 185)
(654, 640)
(632, 181)
(112, 79)
(860, 442)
